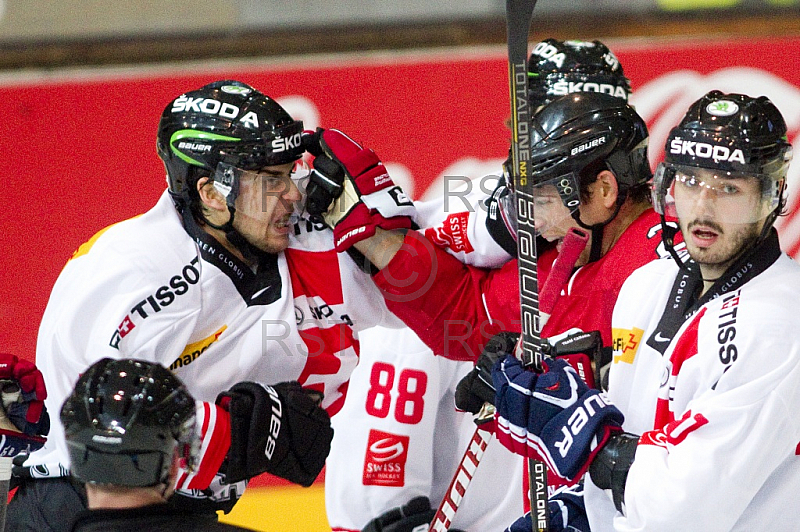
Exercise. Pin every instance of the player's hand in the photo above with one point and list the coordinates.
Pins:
(476, 387)
(584, 351)
(351, 189)
(567, 513)
(278, 429)
(407, 518)
(23, 417)
(552, 416)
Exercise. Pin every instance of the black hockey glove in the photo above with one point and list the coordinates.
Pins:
(584, 351)
(476, 387)
(278, 429)
(406, 518)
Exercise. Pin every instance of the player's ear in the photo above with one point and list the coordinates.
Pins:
(210, 196)
(607, 189)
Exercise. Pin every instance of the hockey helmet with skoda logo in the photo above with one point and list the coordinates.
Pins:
(722, 137)
(575, 137)
(220, 128)
(557, 68)
(124, 422)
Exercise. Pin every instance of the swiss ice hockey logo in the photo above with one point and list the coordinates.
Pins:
(385, 461)
(452, 233)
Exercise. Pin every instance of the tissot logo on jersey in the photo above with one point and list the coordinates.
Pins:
(164, 296)
(726, 328)
(679, 146)
(385, 460)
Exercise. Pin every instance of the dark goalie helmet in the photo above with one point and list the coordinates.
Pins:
(557, 68)
(581, 134)
(219, 129)
(124, 422)
(722, 137)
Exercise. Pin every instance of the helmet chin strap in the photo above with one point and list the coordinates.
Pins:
(596, 251)
(248, 250)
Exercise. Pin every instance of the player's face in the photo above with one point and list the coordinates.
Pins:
(265, 205)
(719, 218)
(551, 217)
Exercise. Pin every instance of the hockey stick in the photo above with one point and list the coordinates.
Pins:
(5, 480)
(518, 23)
(574, 243)
(464, 473)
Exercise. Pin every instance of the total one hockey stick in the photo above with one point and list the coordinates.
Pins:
(574, 243)
(518, 23)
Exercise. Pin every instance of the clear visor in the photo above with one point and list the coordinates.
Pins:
(686, 192)
(269, 181)
(553, 204)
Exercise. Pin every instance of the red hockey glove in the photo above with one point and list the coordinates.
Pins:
(350, 187)
(24, 418)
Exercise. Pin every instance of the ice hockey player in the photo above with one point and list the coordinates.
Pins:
(130, 426)
(400, 397)
(706, 369)
(218, 282)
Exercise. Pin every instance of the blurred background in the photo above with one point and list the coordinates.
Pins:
(423, 82)
(41, 33)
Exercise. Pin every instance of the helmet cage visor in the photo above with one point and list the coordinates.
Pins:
(553, 204)
(721, 195)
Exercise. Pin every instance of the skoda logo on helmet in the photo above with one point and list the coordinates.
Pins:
(235, 89)
(722, 108)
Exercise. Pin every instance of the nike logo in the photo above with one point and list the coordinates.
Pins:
(658, 338)
(260, 292)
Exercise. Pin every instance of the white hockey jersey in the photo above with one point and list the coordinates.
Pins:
(716, 403)
(399, 436)
(144, 288)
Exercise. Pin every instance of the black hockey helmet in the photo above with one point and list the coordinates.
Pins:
(557, 68)
(124, 422)
(223, 126)
(572, 139)
(727, 136)
(581, 130)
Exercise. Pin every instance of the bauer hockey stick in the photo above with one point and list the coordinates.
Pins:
(518, 23)
(574, 243)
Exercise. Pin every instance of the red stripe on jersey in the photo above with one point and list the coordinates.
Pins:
(325, 347)
(315, 274)
(216, 440)
(685, 348)
(674, 432)
(322, 342)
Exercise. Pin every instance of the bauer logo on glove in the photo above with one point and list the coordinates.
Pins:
(552, 416)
